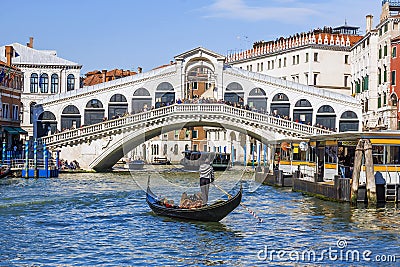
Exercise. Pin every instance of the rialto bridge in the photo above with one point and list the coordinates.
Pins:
(80, 123)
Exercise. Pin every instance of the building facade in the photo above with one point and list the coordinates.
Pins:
(45, 74)
(395, 77)
(372, 79)
(320, 58)
(11, 85)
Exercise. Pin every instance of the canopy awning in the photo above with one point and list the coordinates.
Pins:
(20, 130)
(14, 130)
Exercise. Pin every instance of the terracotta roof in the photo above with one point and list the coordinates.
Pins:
(165, 65)
(96, 76)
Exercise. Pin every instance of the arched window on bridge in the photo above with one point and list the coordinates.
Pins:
(280, 105)
(94, 112)
(165, 94)
(118, 106)
(141, 100)
(348, 122)
(46, 124)
(70, 117)
(303, 112)
(200, 82)
(258, 100)
(234, 93)
(326, 116)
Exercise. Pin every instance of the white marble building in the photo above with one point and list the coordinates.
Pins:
(45, 74)
(319, 58)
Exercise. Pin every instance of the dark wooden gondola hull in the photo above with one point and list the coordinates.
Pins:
(5, 173)
(211, 213)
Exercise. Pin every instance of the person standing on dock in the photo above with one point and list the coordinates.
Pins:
(206, 178)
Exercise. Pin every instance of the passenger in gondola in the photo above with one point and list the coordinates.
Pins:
(206, 178)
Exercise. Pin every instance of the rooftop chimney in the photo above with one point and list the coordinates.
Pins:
(369, 23)
(139, 69)
(30, 44)
(104, 75)
(9, 54)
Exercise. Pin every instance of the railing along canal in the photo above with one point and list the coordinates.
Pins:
(186, 109)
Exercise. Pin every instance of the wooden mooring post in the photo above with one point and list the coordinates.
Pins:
(364, 146)
(369, 172)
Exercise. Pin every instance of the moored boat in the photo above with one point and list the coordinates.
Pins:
(193, 159)
(4, 171)
(209, 213)
(136, 164)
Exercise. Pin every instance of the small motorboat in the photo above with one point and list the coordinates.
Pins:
(208, 213)
(136, 164)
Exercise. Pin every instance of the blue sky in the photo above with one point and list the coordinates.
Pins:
(130, 33)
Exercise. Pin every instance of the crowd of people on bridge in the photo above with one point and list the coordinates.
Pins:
(201, 100)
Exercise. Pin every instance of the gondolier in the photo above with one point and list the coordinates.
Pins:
(206, 178)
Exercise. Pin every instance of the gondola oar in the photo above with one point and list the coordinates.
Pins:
(249, 210)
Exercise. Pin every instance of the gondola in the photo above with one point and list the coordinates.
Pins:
(210, 213)
(4, 171)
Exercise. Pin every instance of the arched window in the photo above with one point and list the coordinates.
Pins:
(54, 84)
(326, 117)
(70, 82)
(280, 97)
(34, 83)
(46, 124)
(234, 86)
(141, 100)
(118, 106)
(234, 93)
(348, 122)
(118, 98)
(94, 112)
(280, 105)
(165, 86)
(303, 112)
(141, 92)
(44, 83)
(165, 94)
(258, 100)
(94, 103)
(303, 103)
(70, 117)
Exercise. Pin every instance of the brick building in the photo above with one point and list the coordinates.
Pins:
(11, 85)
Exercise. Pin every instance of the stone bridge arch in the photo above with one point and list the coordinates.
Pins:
(126, 141)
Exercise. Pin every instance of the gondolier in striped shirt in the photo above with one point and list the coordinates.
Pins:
(206, 178)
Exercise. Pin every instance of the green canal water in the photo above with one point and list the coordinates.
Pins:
(102, 219)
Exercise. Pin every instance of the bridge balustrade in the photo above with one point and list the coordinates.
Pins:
(187, 109)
